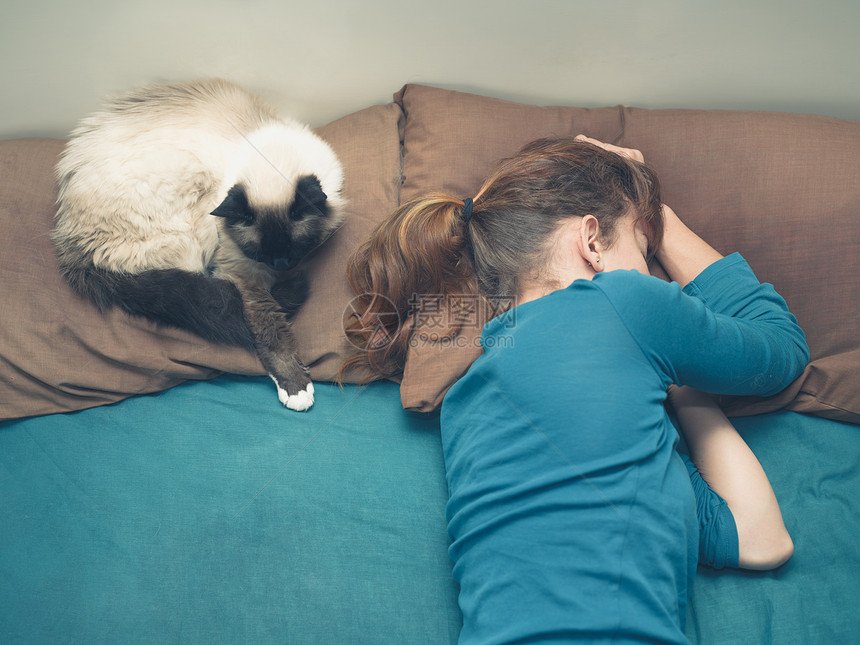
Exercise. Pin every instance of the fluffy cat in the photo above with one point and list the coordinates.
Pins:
(190, 204)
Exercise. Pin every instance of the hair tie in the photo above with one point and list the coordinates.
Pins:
(467, 209)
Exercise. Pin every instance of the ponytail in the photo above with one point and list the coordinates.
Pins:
(418, 256)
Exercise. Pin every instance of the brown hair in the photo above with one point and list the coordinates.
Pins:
(426, 248)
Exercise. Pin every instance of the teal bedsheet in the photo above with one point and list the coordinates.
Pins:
(208, 514)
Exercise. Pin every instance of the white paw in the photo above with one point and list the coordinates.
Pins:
(299, 402)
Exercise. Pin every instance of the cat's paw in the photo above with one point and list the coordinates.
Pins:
(300, 401)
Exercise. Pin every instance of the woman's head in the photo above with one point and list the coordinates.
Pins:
(522, 204)
(426, 248)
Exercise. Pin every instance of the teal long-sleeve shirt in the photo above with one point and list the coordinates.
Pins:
(571, 513)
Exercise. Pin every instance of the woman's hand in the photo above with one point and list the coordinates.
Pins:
(630, 153)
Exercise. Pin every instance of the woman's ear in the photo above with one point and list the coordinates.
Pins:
(589, 244)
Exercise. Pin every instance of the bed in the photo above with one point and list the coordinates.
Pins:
(153, 489)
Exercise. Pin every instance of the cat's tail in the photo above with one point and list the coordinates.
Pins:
(209, 307)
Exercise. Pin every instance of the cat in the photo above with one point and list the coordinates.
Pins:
(190, 204)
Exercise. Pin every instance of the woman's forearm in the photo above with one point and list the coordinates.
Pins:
(682, 253)
(730, 468)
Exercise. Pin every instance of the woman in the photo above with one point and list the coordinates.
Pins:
(571, 513)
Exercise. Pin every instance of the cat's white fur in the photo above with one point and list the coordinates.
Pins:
(237, 139)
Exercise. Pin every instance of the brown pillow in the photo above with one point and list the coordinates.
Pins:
(58, 353)
(782, 189)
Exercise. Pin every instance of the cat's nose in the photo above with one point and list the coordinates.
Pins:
(281, 264)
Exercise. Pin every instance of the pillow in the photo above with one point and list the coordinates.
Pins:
(58, 353)
(783, 189)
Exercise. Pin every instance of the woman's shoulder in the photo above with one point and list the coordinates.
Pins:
(638, 286)
(633, 285)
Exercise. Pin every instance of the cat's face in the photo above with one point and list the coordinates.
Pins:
(281, 235)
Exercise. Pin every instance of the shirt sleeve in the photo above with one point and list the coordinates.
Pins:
(724, 333)
(718, 533)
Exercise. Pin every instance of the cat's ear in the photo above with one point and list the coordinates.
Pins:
(235, 208)
(310, 198)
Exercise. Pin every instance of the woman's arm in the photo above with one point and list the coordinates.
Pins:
(682, 253)
(733, 336)
(732, 471)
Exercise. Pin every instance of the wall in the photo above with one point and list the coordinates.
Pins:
(323, 59)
